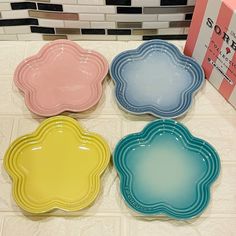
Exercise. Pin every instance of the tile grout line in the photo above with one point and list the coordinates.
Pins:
(2, 226)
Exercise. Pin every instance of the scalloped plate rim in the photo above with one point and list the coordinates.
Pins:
(165, 214)
(54, 204)
(144, 110)
(63, 107)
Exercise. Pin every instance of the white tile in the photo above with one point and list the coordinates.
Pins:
(232, 98)
(89, 9)
(15, 14)
(171, 17)
(87, 226)
(200, 226)
(103, 24)
(7, 202)
(129, 37)
(51, 23)
(131, 17)
(191, 2)
(29, 37)
(213, 131)
(6, 127)
(1, 30)
(76, 24)
(7, 37)
(5, 6)
(186, 30)
(11, 54)
(24, 126)
(12, 1)
(153, 25)
(209, 101)
(64, 1)
(80, 2)
(146, 3)
(22, 29)
(33, 47)
(91, 2)
(92, 17)
(111, 134)
(92, 37)
(169, 31)
(11, 103)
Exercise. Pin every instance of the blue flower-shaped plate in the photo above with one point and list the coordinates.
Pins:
(164, 170)
(156, 79)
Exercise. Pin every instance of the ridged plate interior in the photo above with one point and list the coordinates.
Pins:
(156, 79)
(61, 77)
(56, 167)
(164, 170)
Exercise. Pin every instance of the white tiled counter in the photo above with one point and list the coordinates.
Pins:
(210, 118)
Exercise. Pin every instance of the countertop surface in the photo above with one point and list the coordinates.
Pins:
(210, 118)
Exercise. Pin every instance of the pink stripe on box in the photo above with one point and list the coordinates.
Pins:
(195, 27)
(224, 18)
(226, 88)
(231, 3)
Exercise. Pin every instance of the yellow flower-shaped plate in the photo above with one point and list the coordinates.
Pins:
(56, 167)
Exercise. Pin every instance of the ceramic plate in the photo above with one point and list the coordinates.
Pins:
(61, 77)
(56, 167)
(157, 79)
(166, 170)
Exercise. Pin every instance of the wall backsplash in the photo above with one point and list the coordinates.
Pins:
(95, 19)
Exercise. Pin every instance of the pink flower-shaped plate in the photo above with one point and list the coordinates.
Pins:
(61, 77)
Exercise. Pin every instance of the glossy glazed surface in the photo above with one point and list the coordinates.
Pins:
(211, 118)
(61, 77)
(57, 166)
(165, 170)
(156, 78)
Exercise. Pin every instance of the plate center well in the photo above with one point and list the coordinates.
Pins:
(155, 79)
(63, 78)
(59, 167)
(165, 171)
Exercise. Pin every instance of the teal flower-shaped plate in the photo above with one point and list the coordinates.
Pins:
(164, 170)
